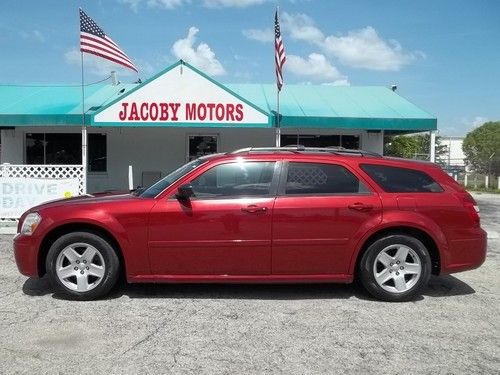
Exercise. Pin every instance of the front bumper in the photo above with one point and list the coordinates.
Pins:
(26, 255)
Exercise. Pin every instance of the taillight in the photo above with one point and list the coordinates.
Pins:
(471, 206)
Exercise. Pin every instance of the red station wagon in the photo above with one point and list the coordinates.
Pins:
(262, 215)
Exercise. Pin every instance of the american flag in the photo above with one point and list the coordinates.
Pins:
(93, 40)
(279, 52)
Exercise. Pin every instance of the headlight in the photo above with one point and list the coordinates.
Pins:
(30, 223)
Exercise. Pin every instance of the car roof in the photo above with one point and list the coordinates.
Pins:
(313, 153)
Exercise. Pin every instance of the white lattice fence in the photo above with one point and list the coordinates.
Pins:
(45, 171)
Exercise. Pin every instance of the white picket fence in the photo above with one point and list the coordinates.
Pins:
(472, 180)
(43, 172)
(46, 171)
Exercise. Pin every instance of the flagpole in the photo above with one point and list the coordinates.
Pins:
(278, 128)
(279, 58)
(84, 134)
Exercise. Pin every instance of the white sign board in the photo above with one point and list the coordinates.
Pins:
(182, 96)
(19, 194)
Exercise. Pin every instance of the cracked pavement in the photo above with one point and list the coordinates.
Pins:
(292, 329)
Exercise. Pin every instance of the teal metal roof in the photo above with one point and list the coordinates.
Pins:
(301, 106)
(41, 105)
(360, 107)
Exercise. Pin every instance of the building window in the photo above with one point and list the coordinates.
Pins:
(335, 140)
(97, 153)
(66, 148)
(201, 145)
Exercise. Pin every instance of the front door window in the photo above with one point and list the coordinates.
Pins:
(234, 180)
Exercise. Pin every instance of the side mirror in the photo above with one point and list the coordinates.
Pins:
(185, 192)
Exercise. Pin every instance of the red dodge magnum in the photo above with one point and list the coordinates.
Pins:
(277, 215)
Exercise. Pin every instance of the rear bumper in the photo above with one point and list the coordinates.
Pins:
(26, 255)
(466, 254)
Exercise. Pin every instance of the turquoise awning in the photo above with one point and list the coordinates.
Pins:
(40, 105)
(350, 107)
(301, 106)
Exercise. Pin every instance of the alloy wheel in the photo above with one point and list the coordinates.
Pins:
(397, 268)
(80, 267)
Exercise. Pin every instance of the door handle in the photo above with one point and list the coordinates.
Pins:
(358, 206)
(253, 209)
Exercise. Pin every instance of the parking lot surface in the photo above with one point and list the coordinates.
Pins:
(294, 329)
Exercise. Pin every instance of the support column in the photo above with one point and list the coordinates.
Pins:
(432, 147)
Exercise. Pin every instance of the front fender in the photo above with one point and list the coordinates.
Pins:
(129, 231)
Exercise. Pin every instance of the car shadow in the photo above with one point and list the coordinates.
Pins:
(447, 285)
(442, 286)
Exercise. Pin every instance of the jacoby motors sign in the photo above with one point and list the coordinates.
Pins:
(181, 96)
(187, 112)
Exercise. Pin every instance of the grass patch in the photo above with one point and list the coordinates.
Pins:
(483, 190)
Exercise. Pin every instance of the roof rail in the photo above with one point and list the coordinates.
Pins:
(301, 149)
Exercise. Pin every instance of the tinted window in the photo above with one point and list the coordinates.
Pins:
(235, 179)
(312, 178)
(66, 148)
(308, 140)
(97, 152)
(53, 148)
(400, 180)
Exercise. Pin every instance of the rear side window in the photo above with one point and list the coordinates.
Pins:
(401, 180)
(317, 178)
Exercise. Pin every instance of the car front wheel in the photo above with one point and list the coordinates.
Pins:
(395, 268)
(82, 266)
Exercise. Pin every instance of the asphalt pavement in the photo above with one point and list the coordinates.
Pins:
(253, 329)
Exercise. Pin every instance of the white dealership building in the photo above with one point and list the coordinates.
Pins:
(180, 114)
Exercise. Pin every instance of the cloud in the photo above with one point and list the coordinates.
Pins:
(33, 35)
(478, 121)
(172, 4)
(362, 48)
(365, 49)
(231, 3)
(316, 68)
(164, 4)
(339, 82)
(475, 122)
(133, 4)
(96, 65)
(167, 4)
(200, 56)
(301, 27)
(260, 35)
(462, 125)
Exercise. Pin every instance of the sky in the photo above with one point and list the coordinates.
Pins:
(444, 55)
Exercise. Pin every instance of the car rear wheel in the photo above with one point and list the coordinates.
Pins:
(82, 266)
(395, 268)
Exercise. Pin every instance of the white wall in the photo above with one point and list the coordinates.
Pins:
(373, 142)
(160, 149)
(454, 154)
(12, 146)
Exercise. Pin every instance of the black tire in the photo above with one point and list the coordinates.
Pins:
(105, 261)
(370, 266)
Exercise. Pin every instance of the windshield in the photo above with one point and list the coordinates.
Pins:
(161, 185)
